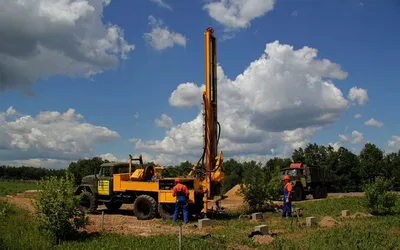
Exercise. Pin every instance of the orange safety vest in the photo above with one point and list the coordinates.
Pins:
(180, 191)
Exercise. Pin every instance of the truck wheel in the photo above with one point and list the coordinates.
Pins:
(324, 192)
(166, 210)
(113, 206)
(145, 207)
(88, 202)
(317, 192)
(298, 194)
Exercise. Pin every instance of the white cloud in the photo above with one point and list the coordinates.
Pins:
(335, 145)
(136, 115)
(238, 14)
(358, 95)
(356, 137)
(394, 143)
(186, 95)
(38, 162)
(357, 116)
(164, 122)
(161, 38)
(374, 123)
(162, 4)
(110, 157)
(278, 103)
(50, 135)
(69, 36)
(11, 111)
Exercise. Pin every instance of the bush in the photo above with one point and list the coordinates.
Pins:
(378, 199)
(57, 208)
(260, 186)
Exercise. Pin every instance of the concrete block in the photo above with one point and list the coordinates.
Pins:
(257, 216)
(263, 229)
(205, 223)
(311, 221)
(345, 213)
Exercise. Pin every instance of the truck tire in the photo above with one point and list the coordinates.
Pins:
(324, 192)
(166, 210)
(317, 192)
(298, 194)
(88, 202)
(113, 206)
(145, 207)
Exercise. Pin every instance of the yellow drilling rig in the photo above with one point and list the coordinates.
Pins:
(144, 187)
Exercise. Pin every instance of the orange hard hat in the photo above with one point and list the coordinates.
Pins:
(286, 178)
(177, 180)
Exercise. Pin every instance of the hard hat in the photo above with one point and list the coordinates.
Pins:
(286, 178)
(177, 180)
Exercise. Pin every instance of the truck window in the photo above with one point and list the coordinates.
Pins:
(106, 172)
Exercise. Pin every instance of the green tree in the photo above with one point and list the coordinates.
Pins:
(58, 212)
(371, 162)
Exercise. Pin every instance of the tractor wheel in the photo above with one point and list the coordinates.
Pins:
(88, 202)
(298, 194)
(324, 192)
(317, 192)
(145, 207)
(166, 210)
(113, 206)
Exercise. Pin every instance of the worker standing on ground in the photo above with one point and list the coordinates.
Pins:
(181, 193)
(287, 202)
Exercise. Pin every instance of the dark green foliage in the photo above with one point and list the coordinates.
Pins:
(379, 199)
(27, 173)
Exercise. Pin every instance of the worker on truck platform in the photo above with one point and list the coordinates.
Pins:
(181, 193)
(287, 202)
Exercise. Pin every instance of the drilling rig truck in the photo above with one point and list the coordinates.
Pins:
(144, 187)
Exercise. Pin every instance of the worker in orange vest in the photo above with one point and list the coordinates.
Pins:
(181, 193)
(287, 201)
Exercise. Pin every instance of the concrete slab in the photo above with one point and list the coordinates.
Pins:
(205, 223)
(311, 221)
(345, 213)
(263, 229)
(257, 216)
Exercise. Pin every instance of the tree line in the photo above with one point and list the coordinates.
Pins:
(353, 171)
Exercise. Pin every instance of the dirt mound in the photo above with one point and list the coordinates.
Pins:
(328, 221)
(22, 202)
(234, 194)
(263, 239)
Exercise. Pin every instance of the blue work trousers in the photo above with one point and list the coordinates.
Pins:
(287, 208)
(184, 205)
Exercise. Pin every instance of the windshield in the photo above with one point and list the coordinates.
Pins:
(291, 172)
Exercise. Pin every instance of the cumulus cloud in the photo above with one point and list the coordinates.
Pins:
(164, 122)
(238, 14)
(356, 137)
(374, 123)
(162, 4)
(278, 102)
(186, 95)
(44, 38)
(358, 95)
(50, 135)
(394, 143)
(161, 37)
(110, 157)
(357, 116)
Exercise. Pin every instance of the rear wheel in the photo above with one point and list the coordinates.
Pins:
(113, 206)
(317, 192)
(166, 210)
(88, 202)
(298, 194)
(145, 207)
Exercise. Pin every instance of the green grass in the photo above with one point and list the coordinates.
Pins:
(14, 187)
(18, 231)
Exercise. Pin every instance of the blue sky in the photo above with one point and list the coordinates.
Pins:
(361, 37)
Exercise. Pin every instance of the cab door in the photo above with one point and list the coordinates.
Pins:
(105, 184)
